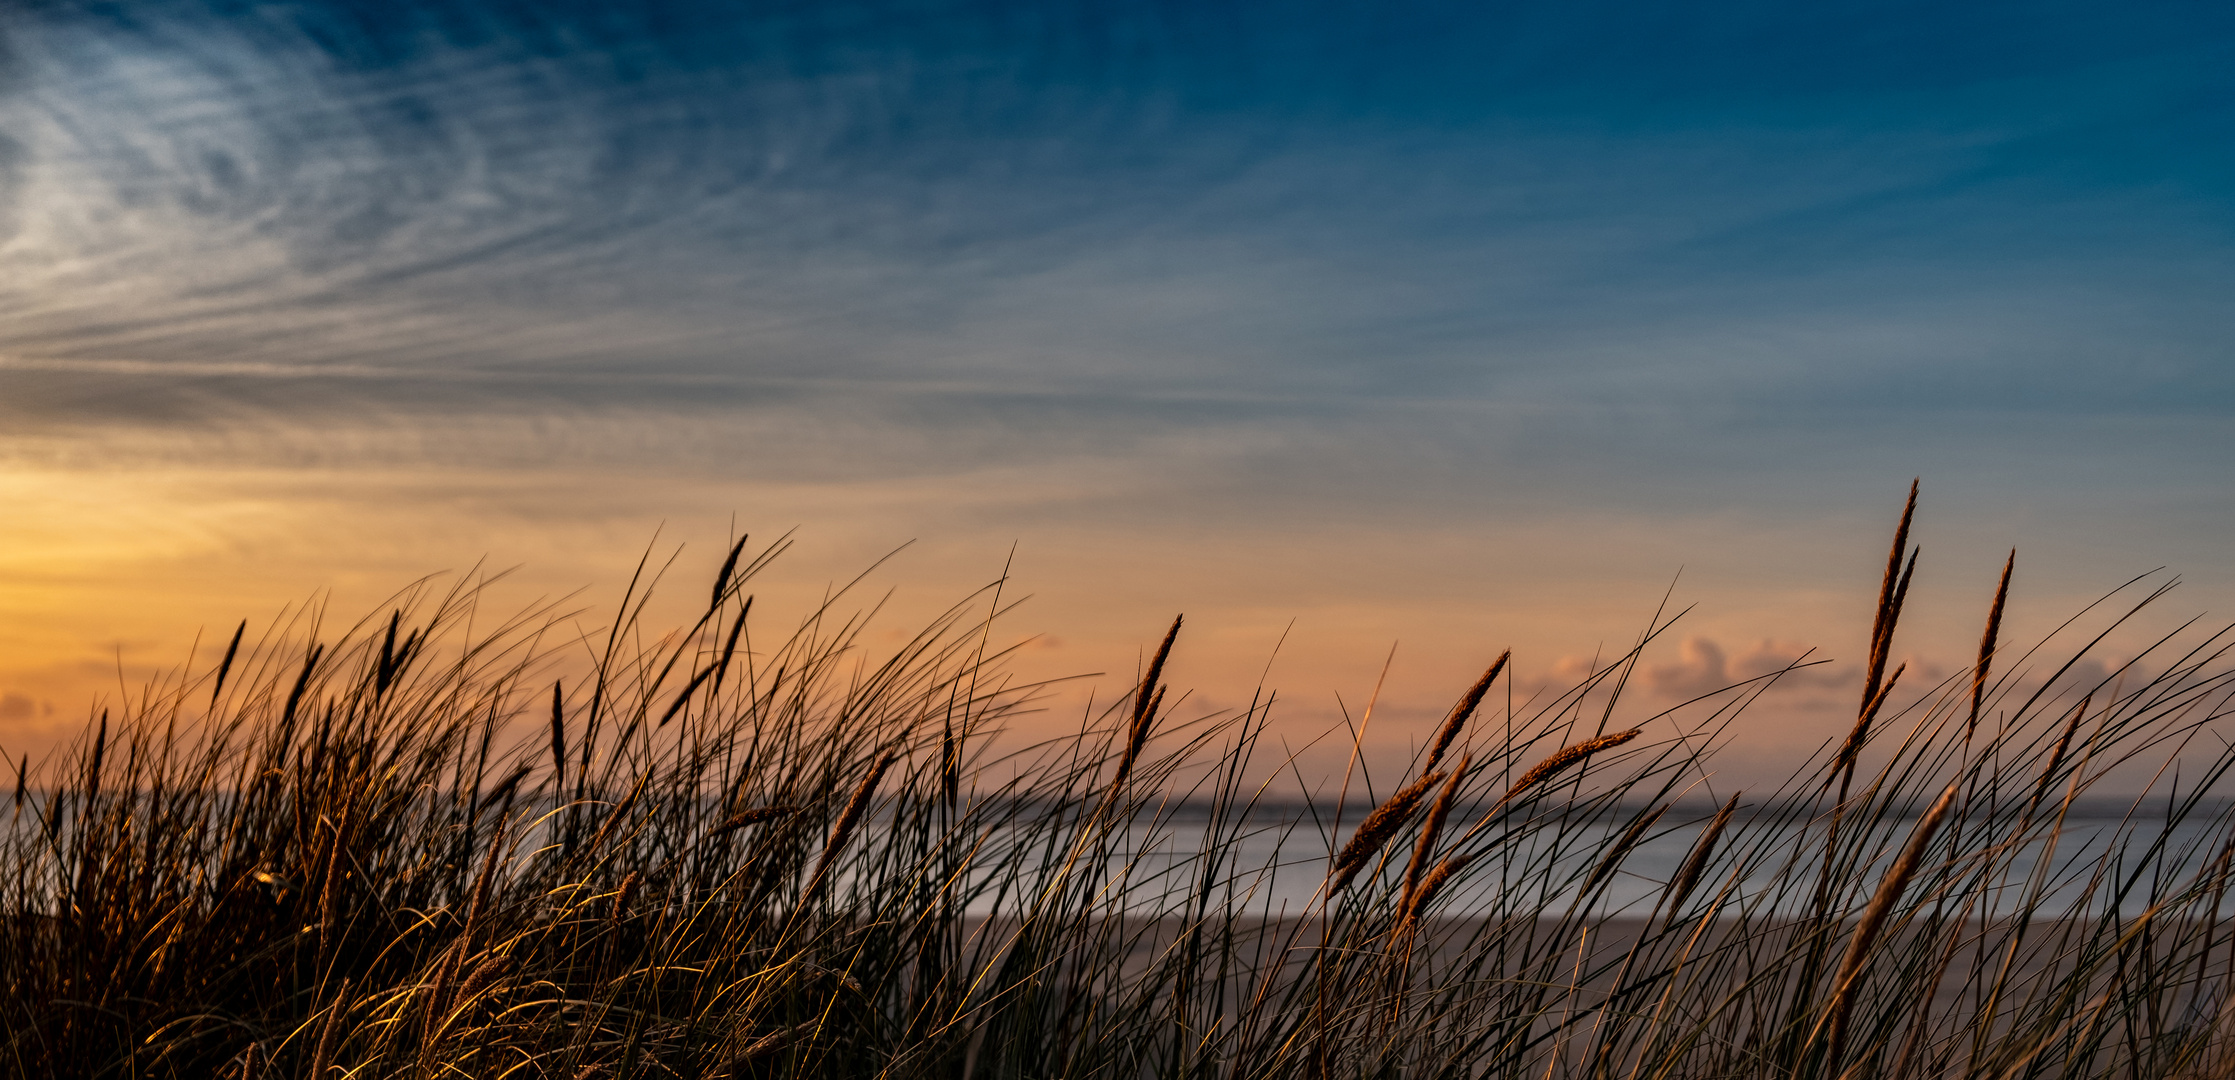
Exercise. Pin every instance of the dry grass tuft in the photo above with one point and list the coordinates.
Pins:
(400, 849)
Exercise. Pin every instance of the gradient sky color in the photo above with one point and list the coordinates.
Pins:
(1461, 326)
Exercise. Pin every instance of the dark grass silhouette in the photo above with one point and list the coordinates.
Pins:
(736, 851)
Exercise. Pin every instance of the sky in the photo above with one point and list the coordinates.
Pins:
(1340, 327)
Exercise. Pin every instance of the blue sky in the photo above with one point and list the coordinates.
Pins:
(1601, 289)
(1867, 206)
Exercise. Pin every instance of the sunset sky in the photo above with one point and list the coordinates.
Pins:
(1453, 327)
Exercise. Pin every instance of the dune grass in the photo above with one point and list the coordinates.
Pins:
(752, 847)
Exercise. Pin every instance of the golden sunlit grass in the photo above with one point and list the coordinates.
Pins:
(754, 847)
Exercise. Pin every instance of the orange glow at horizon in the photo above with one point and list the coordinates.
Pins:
(110, 575)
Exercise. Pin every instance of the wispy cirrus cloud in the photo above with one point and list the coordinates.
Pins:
(1399, 316)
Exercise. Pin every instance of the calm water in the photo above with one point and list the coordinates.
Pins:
(1274, 869)
(1274, 864)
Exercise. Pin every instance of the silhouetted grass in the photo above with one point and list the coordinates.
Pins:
(740, 849)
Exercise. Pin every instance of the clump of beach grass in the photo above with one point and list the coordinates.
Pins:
(427, 846)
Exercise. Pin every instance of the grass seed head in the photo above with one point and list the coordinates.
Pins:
(484, 975)
(623, 895)
(850, 817)
(1695, 864)
(729, 566)
(1147, 698)
(1987, 643)
(1434, 883)
(1432, 828)
(1873, 918)
(1464, 710)
(1565, 758)
(322, 1055)
(1860, 733)
(558, 734)
(1890, 594)
(1621, 847)
(1376, 830)
(225, 666)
